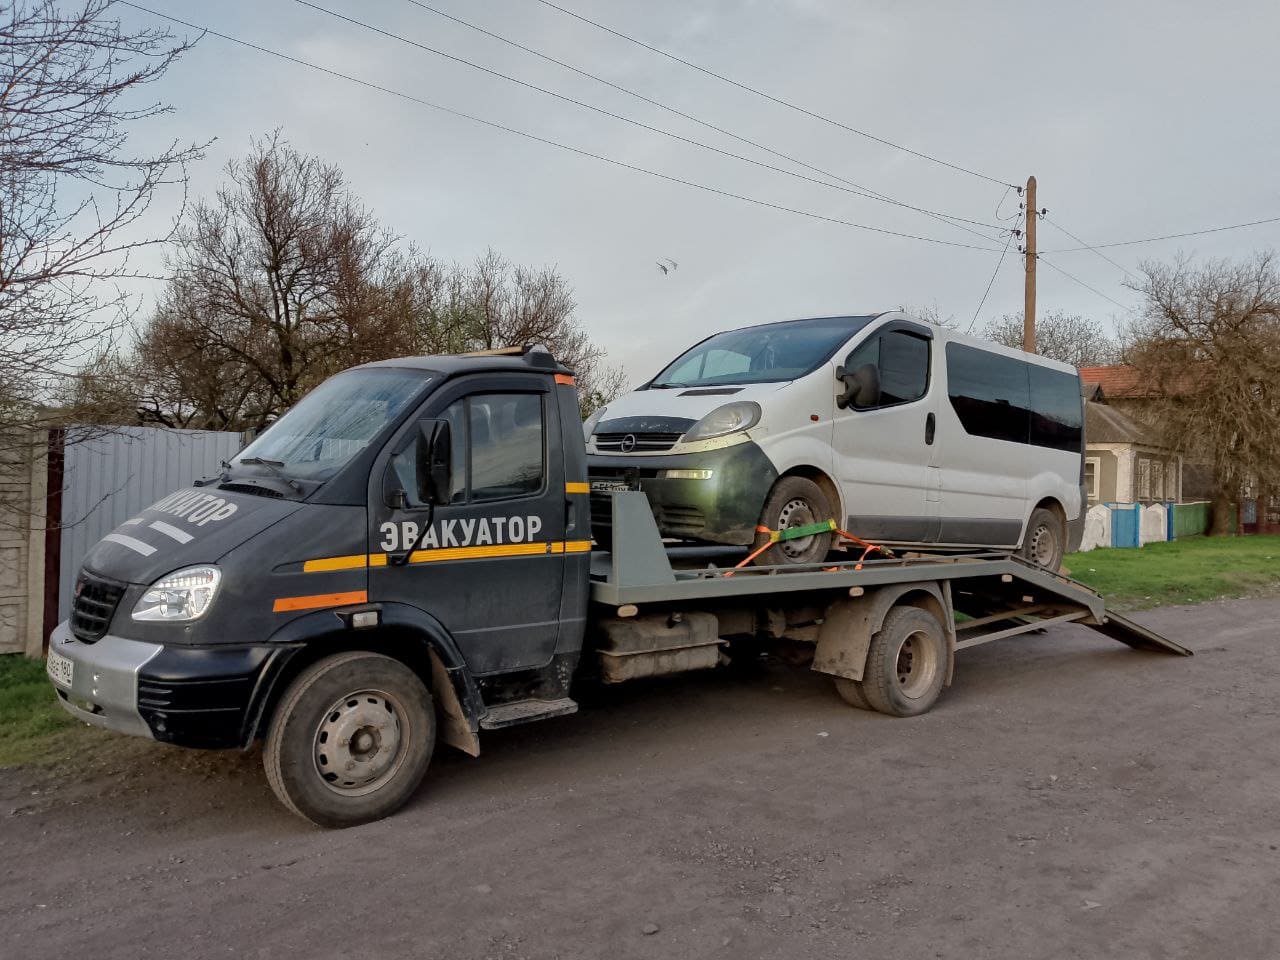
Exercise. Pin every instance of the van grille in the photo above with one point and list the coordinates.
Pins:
(636, 442)
(95, 603)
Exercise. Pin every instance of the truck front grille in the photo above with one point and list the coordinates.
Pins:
(636, 442)
(95, 603)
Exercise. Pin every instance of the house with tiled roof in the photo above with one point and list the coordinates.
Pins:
(1145, 471)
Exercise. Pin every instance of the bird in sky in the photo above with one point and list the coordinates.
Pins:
(666, 265)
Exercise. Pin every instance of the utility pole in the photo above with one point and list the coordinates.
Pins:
(1029, 294)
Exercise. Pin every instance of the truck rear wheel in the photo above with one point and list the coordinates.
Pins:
(794, 502)
(350, 740)
(906, 663)
(851, 693)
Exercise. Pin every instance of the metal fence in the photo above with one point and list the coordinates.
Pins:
(110, 476)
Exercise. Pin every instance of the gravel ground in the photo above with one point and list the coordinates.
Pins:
(1068, 797)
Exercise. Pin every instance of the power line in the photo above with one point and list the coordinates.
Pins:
(1058, 226)
(609, 113)
(544, 140)
(784, 103)
(866, 191)
(1169, 236)
(1081, 282)
(991, 282)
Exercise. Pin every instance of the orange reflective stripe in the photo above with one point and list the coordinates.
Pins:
(355, 562)
(564, 380)
(319, 600)
(577, 488)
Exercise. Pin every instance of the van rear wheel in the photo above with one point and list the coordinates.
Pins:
(350, 740)
(1046, 539)
(794, 502)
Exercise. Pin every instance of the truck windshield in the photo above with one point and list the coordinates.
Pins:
(771, 353)
(334, 422)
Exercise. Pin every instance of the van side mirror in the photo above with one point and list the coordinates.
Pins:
(433, 456)
(861, 386)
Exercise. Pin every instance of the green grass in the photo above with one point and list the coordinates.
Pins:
(32, 723)
(1183, 571)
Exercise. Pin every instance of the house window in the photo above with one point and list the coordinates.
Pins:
(1144, 479)
(1092, 467)
(1157, 479)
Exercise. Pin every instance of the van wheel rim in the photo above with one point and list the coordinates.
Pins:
(796, 513)
(1044, 546)
(360, 741)
(917, 665)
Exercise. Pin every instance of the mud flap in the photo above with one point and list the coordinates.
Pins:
(453, 725)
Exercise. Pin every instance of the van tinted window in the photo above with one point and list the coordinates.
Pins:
(1056, 409)
(989, 393)
(1008, 399)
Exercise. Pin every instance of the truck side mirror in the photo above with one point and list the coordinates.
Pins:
(433, 455)
(861, 387)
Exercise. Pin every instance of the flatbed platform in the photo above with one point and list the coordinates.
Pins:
(996, 594)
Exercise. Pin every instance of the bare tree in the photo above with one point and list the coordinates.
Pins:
(283, 278)
(73, 197)
(1207, 347)
(1069, 337)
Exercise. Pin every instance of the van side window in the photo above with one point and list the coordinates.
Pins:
(989, 393)
(902, 362)
(498, 445)
(1057, 411)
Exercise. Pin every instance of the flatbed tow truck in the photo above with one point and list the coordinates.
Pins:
(406, 557)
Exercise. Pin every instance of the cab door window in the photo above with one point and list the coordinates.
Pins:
(498, 443)
(901, 361)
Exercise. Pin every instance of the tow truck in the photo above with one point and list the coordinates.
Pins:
(405, 558)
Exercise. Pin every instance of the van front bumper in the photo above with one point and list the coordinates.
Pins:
(189, 696)
(723, 508)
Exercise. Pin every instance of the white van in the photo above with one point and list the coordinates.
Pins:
(903, 432)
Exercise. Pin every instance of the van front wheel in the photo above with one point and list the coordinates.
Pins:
(1046, 539)
(794, 502)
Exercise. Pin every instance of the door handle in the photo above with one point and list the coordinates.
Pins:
(930, 423)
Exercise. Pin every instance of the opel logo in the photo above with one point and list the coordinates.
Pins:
(628, 443)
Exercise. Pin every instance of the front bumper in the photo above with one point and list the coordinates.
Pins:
(722, 509)
(189, 696)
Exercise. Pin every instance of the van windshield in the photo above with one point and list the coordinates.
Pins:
(771, 353)
(334, 422)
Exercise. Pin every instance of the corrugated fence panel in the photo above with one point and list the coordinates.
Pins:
(110, 477)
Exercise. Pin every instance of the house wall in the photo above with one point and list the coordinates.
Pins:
(1109, 457)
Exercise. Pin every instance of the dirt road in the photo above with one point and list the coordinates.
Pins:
(1068, 797)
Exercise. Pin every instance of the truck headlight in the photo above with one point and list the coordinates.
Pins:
(182, 595)
(729, 418)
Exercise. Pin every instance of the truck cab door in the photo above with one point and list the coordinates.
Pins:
(885, 436)
(489, 560)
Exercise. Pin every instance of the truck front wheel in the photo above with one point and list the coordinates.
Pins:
(350, 739)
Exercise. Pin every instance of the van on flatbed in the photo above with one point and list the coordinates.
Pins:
(405, 558)
(897, 429)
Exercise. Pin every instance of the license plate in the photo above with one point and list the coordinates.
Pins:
(60, 669)
(610, 486)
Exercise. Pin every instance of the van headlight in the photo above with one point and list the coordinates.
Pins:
(589, 425)
(182, 595)
(730, 418)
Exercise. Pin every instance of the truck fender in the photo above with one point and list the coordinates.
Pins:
(405, 632)
(850, 623)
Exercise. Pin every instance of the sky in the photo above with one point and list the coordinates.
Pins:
(1138, 119)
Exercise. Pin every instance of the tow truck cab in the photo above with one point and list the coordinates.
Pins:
(436, 505)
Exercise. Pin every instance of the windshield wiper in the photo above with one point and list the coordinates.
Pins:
(666, 386)
(277, 466)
